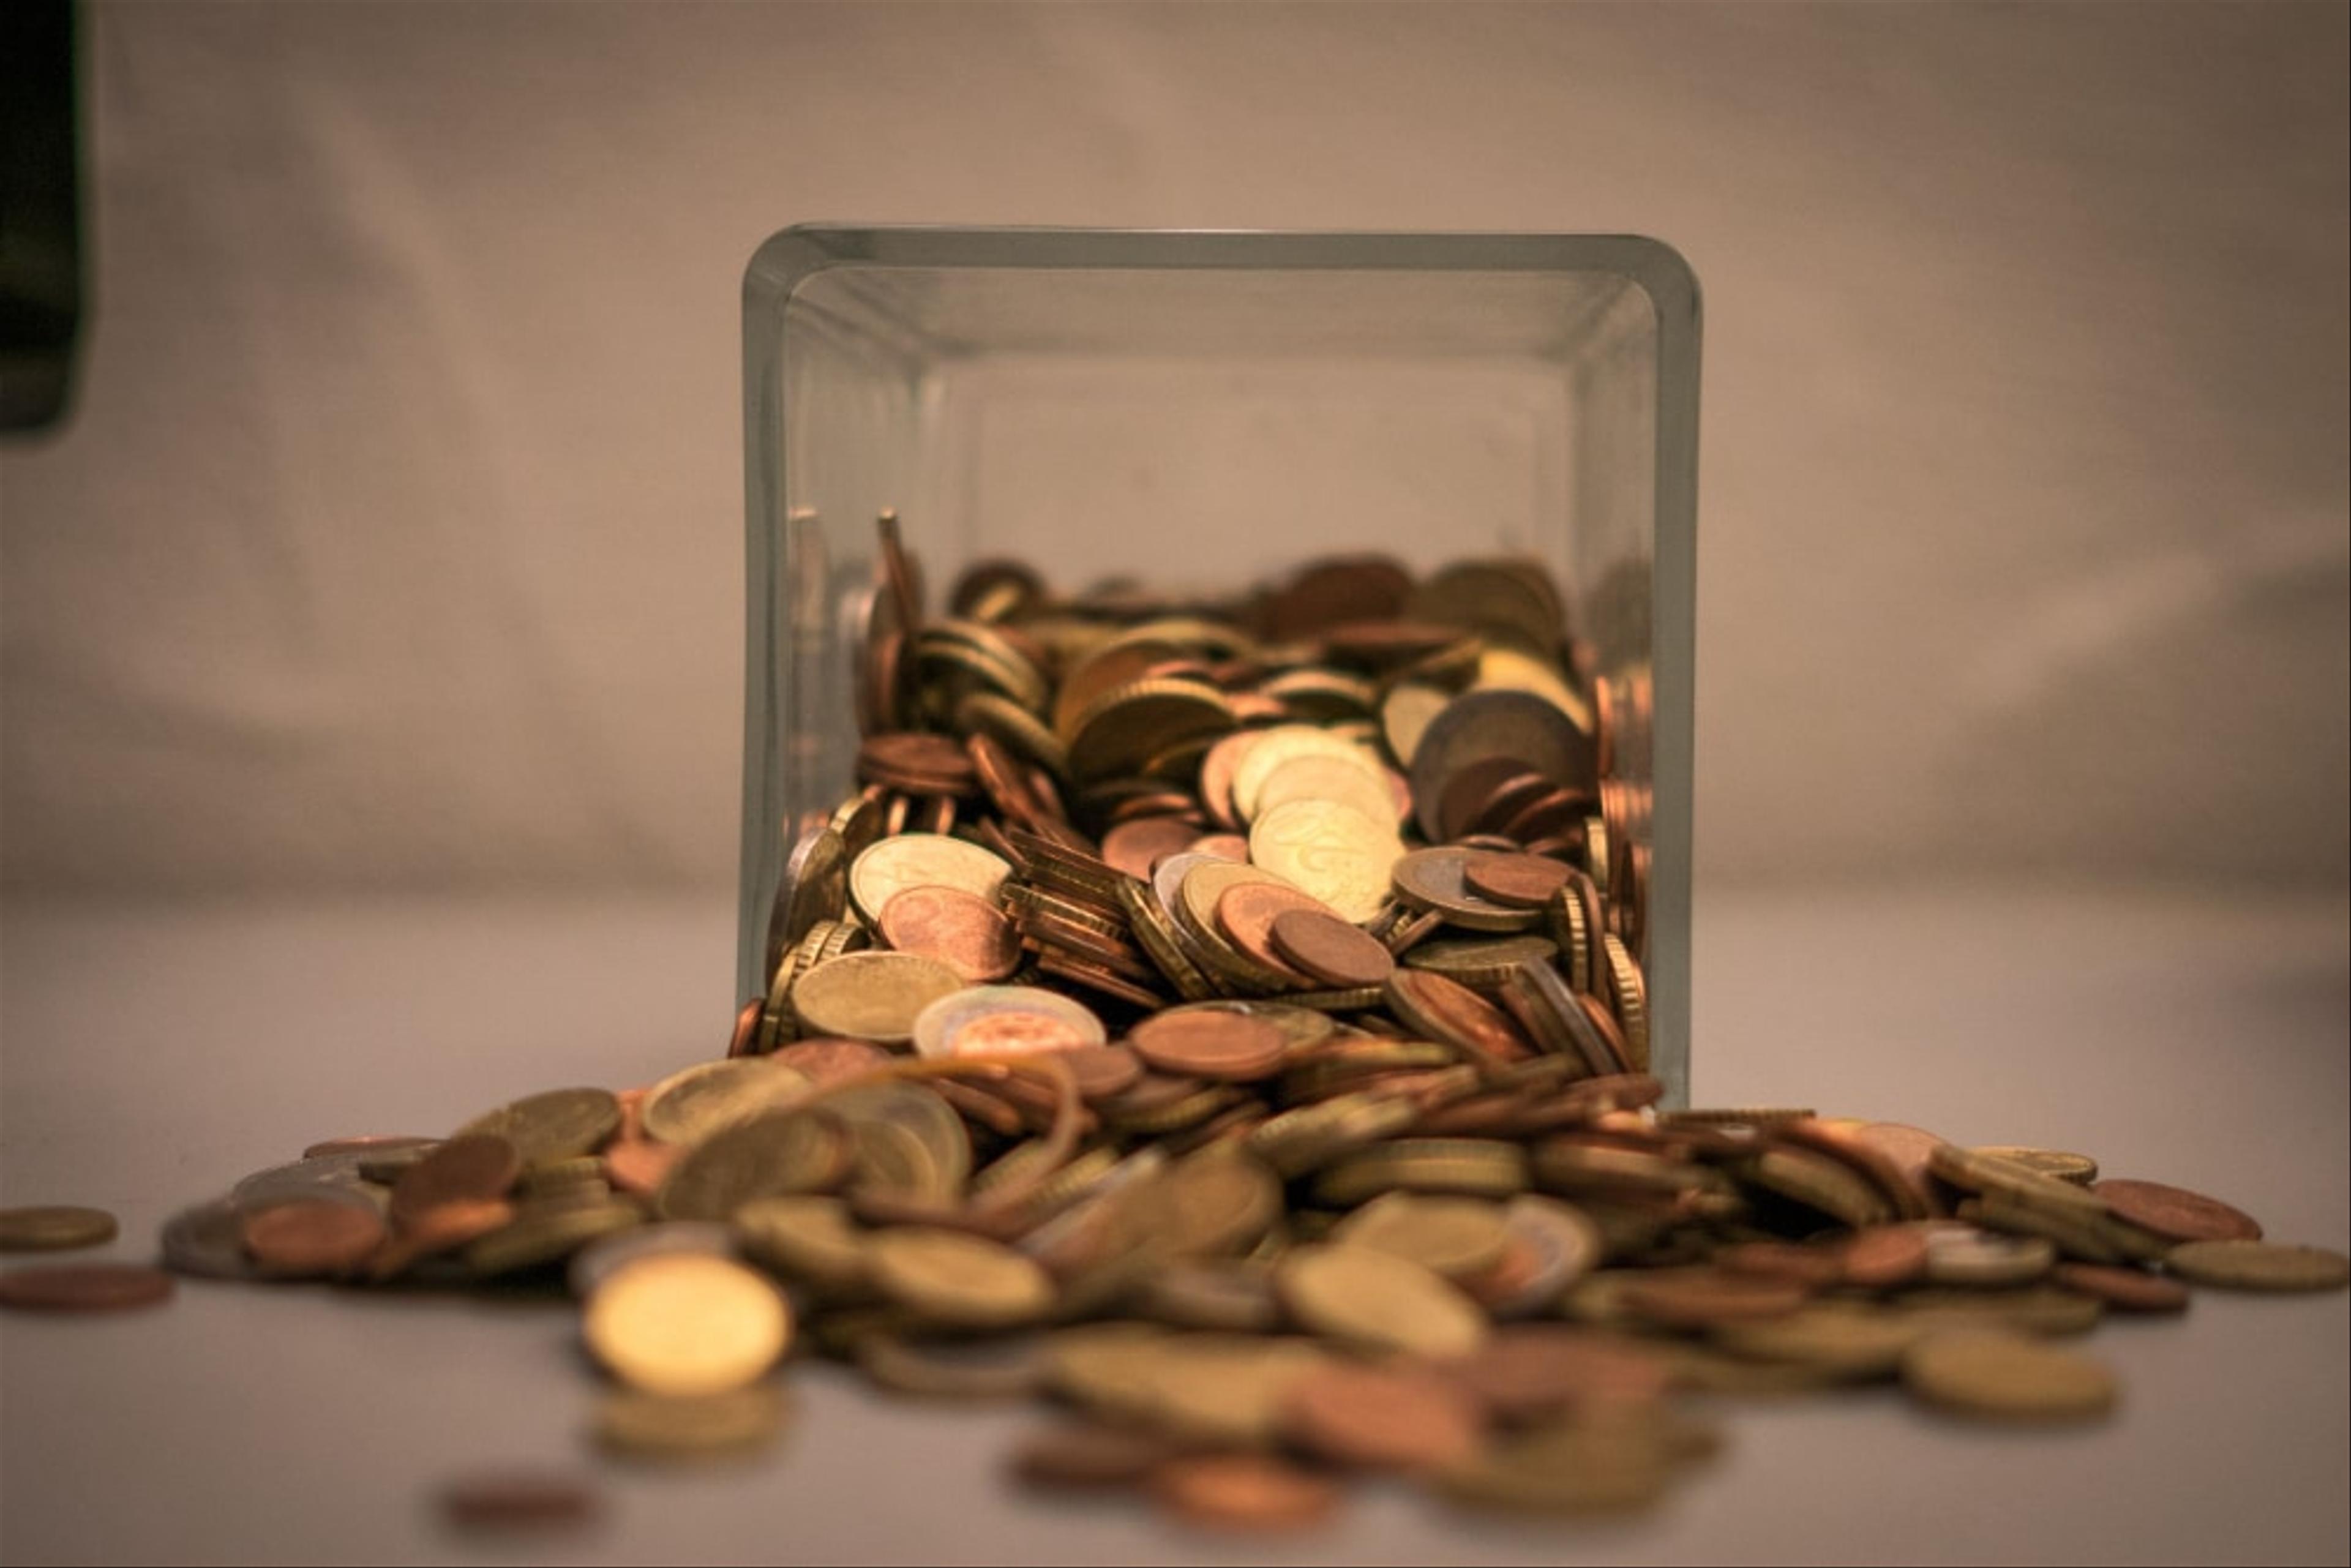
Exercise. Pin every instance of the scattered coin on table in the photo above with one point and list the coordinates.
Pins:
(1229, 1019)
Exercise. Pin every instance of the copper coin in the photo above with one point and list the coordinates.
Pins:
(917, 764)
(640, 1164)
(2125, 1290)
(1528, 1371)
(829, 1060)
(1380, 1418)
(1882, 1256)
(1522, 882)
(2176, 1213)
(1232, 1047)
(1104, 1071)
(1017, 1033)
(1223, 846)
(367, 1143)
(1452, 1012)
(1337, 592)
(1814, 1268)
(1700, 1298)
(1466, 795)
(1328, 949)
(310, 1238)
(431, 1231)
(1244, 1491)
(1086, 1456)
(747, 1028)
(519, 1503)
(1139, 843)
(84, 1288)
(1906, 1150)
(962, 930)
(476, 1166)
(1246, 911)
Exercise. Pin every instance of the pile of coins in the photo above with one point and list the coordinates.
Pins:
(1230, 1021)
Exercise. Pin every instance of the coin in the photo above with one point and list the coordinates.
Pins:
(2060, 1164)
(957, 1280)
(1335, 852)
(2125, 1290)
(1136, 847)
(207, 1240)
(2000, 1376)
(1352, 778)
(83, 1288)
(555, 1125)
(773, 1156)
(909, 861)
(1090, 1456)
(872, 996)
(1568, 1469)
(1882, 1256)
(1452, 1237)
(1228, 1047)
(966, 933)
(548, 1232)
(661, 1426)
(1528, 1371)
(1443, 1009)
(1377, 1301)
(2176, 1213)
(313, 1238)
(1381, 1418)
(1277, 748)
(952, 1369)
(689, 1105)
(1005, 1020)
(1963, 1255)
(1437, 880)
(507, 1501)
(368, 1144)
(1489, 725)
(472, 1167)
(833, 1061)
(54, 1228)
(686, 1323)
(1329, 949)
(1246, 912)
(1522, 882)
(1700, 1298)
(1243, 1491)
(2242, 1265)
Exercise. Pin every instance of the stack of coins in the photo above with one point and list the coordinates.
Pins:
(1230, 1021)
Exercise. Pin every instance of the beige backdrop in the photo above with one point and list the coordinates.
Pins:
(397, 543)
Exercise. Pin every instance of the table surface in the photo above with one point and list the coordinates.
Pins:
(150, 1057)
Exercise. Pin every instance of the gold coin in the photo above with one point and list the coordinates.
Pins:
(1287, 743)
(779, 1154)
(2260, 1265)
(548, 1232)
(959, 1280)
(1975, 1372)
(1847, 1338)
(2060, 1164)
(922, 860)
(1377, 1301)
(1333, 853)
(54, 1229)
(1505, 669)
(812, 1240)
(1405, 714)
(555, 1125)
(653, 1425)
(1960, 1255)
(1122, 729)
(872, 996)
(1358, 781)
(688, 1106)
(1453, 1236)
(1467, 1168)
(686, 1324)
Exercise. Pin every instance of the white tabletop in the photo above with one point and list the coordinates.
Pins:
(148, 1058)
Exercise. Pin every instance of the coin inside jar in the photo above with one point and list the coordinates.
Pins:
(1232, 1047)
(965, 932)
(1330, 949)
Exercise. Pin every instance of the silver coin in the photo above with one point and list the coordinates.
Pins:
(599, 1259)
(299, 1178)
(207, 1240)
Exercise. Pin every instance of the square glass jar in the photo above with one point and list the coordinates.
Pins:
(1201, 409)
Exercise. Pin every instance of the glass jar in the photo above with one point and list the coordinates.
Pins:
(1200, 410)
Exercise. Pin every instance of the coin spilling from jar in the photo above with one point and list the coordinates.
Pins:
(1228, 1022)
